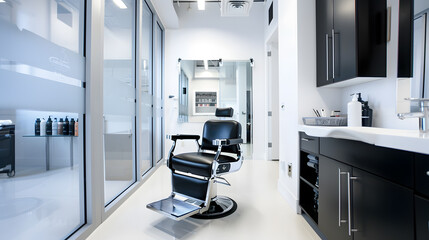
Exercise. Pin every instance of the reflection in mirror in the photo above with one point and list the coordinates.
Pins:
(420, 80)
(205, 85)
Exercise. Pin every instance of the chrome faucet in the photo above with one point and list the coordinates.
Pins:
(423, 115)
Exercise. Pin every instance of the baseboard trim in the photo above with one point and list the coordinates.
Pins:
(288, 196)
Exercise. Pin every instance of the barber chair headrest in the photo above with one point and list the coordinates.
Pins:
(224, 112)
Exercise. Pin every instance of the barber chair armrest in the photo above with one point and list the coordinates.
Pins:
(227, 142)
(183, 137)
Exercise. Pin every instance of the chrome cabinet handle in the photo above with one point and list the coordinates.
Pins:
(349, 203)
(339, 198)
(327, 56)
(306, 139)
(333, 53)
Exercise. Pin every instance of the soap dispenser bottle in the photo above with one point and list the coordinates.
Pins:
(354, 112)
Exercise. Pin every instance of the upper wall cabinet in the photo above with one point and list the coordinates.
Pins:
(351, 40)
(405, 38)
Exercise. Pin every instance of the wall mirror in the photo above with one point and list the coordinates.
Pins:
(417, 84)
(205, 85)
(420, 80)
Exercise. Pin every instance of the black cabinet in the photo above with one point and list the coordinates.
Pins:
(333, 199)
(381, 209)
(422, 218)
(351, 39)
(355, 204)
(405, 38)
(422, 174)
(309, 176)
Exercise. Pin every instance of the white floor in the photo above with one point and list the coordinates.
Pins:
(262, 213)
(41, 204)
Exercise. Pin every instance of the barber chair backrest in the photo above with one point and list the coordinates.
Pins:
(220, 129)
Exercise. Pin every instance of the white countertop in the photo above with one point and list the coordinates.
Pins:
(408, 140)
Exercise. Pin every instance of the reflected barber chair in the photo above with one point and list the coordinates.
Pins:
(195, 174)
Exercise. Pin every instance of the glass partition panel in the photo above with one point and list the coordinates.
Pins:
(42, 70)
(146, 89)
(119, 98)
(159, 118)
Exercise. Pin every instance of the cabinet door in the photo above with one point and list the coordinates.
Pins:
(333, 203)
(422, 218)
(344, 40)
(324, 25)
(381, 209)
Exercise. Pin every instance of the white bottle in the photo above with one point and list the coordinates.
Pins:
(43, 127)
(354, 112)
(55, 127)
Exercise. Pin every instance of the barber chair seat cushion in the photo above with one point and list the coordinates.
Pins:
(198, 163)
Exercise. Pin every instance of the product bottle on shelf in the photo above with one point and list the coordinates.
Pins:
(43, 127)
(49, 126)
(66, 126)
(76, 128)
(71, 127)
(37, 127)
(60, 126)
(55, 127)
(354, 112)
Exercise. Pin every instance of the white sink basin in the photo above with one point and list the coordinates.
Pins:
(409, 140)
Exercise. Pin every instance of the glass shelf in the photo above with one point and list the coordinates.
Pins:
(49, 136)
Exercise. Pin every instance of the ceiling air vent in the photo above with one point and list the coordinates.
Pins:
(236, 8)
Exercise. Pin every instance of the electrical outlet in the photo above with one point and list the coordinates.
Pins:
(289, 169)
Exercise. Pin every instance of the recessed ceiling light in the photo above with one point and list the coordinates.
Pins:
(2, 1)
(118, 3)
(201, 4)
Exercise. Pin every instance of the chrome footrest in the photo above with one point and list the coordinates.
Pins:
(176, 208)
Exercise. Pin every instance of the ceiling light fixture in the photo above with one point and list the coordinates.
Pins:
(120, 4)
(201, 4)
(2, 1)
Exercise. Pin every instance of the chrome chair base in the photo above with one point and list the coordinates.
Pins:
(220, 206)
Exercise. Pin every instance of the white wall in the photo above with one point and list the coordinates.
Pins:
(206, 35)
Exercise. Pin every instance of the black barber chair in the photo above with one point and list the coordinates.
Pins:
(195, 174)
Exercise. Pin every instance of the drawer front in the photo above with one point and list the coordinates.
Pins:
(422, 218)
(394, 165)
(422, 174)
(309, 143)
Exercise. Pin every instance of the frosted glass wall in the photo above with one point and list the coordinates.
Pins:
(119, 94)
(42, 70)
(146, 88)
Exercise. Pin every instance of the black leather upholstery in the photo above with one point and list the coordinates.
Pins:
(220, 129)
(224, 112)
(194, 187)
(198, 163)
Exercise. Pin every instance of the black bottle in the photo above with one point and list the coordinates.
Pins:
(71, 127)
(366, 112)
(366, 115)
(49, 126)
(37, 127)
(66, 126)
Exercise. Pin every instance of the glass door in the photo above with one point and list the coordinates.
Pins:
(158, 96)
(146, 89)
(42, 98)
(119, 91)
